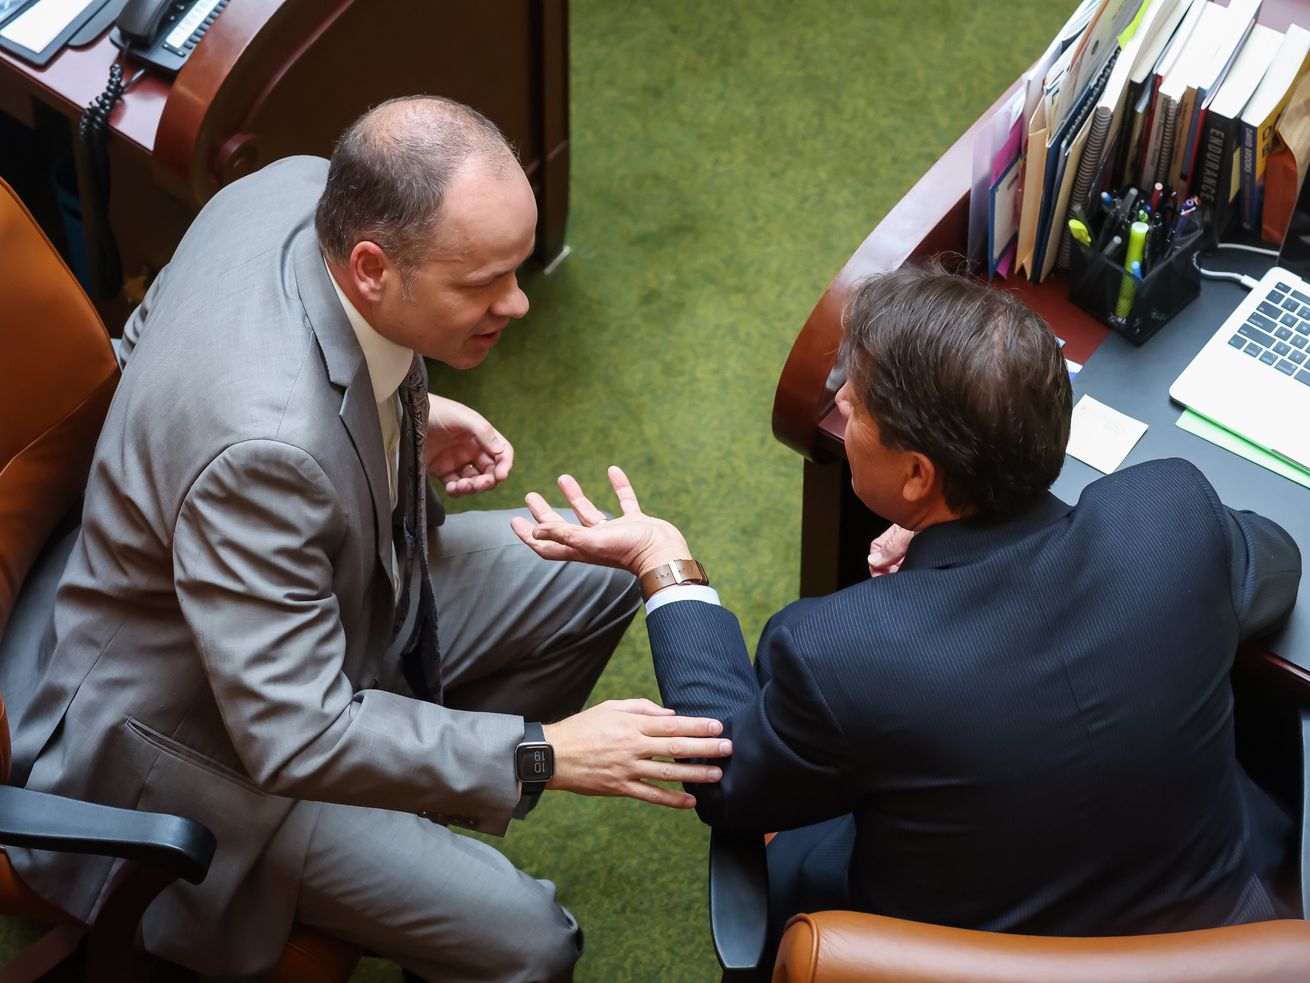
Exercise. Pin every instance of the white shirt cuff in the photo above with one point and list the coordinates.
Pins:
(682, 592)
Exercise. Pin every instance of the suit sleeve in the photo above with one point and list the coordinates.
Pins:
(253, 556)
(136, 322)
(789, 762)
(1265, 569)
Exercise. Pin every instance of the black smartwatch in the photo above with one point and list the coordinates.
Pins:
(534, 760)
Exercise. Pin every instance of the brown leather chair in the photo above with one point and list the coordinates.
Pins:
(840, 946)
(57, 376)
(843, 947)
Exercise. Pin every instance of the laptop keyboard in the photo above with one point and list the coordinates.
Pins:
(1277, 333)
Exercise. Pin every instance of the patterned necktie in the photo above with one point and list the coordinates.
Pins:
(416, 610)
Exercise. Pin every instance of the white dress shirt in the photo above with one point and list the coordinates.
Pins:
(682, 592)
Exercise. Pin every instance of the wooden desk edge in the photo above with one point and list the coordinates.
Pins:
(210, 92)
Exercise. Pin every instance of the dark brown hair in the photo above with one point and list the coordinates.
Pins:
(389, 172)
(963, 374)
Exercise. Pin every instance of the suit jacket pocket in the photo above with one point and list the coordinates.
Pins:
(177, 749)
(243, 896)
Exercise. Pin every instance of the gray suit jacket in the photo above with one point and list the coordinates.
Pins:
(222, 621)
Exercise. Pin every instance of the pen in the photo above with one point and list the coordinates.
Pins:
(1109, 205)
(1128, 286)
(1136, 269)
(1126, 206)
(1155, 195)
(1111, 248)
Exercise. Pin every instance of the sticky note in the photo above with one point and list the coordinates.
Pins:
(1102, 436)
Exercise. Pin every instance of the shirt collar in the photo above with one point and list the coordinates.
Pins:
(388, 363)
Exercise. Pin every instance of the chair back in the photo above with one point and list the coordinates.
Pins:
(843, 947)
(57, 376)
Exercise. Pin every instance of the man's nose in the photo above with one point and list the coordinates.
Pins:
(513, 303)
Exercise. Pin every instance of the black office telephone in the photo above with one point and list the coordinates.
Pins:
(163, 33)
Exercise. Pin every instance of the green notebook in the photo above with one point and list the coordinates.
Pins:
(1229, 441)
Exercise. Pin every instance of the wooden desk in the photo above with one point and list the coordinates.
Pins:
(931, 218)
(272, 78)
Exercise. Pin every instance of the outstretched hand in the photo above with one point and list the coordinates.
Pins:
(615, 748)
(633, 541)
(464, 451)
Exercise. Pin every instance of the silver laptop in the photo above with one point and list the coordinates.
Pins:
(1253, 376)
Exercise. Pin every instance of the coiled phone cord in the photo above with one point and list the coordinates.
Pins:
(104, 266)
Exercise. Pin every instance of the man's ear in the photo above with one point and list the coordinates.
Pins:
(922, 479)
(368, 266)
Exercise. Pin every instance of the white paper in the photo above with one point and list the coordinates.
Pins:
(41, 23)
(1101, 436)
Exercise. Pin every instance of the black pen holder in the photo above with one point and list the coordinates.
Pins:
(1135, 308)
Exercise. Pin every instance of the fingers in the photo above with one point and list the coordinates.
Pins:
(682, 727)
(692, 747)
(540, 509)
(455, 487)
(542, 547)
(640, 705)
(676, 771)
(587, 513)
(655, 795)
(623, 489)
(887, 552)
(879, 567)
(504, 458)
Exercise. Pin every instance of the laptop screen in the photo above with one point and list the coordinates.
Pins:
(1295, 255)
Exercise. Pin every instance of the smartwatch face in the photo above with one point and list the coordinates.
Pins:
(535, 762)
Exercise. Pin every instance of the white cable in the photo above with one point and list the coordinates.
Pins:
(1263, 251)
(1248, 282)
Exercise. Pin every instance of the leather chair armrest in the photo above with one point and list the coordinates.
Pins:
(171, 844)
(844, 946)
(739, 903)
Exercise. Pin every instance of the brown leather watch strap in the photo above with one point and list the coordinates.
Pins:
(668, 574)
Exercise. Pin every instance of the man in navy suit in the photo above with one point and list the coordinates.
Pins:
(1023, 721)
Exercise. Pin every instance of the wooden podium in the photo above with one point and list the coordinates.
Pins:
(273, 78)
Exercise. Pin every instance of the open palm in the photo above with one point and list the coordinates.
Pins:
(632, 541)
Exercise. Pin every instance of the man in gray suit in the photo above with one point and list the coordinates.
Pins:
(253, 629)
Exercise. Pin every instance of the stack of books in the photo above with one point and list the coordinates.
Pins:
(1191, 102)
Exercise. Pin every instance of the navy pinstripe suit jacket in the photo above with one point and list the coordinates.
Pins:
(1031, 721)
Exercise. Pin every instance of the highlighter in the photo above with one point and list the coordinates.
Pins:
(1079, 231)
(1136, 249)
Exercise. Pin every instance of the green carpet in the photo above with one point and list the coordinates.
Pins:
(727, 158)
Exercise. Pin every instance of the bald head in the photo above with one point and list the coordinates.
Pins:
(391, 169)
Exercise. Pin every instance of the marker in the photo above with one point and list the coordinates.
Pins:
(1128, 286)
(1079, 231)
(1155, 195)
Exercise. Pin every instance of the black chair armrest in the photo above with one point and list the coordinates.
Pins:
(739, 903)
(174, 845)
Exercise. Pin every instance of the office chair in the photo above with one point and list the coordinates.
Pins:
(845, 946)
(57, 377)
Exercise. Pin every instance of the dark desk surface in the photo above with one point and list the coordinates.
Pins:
(1136, 381)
